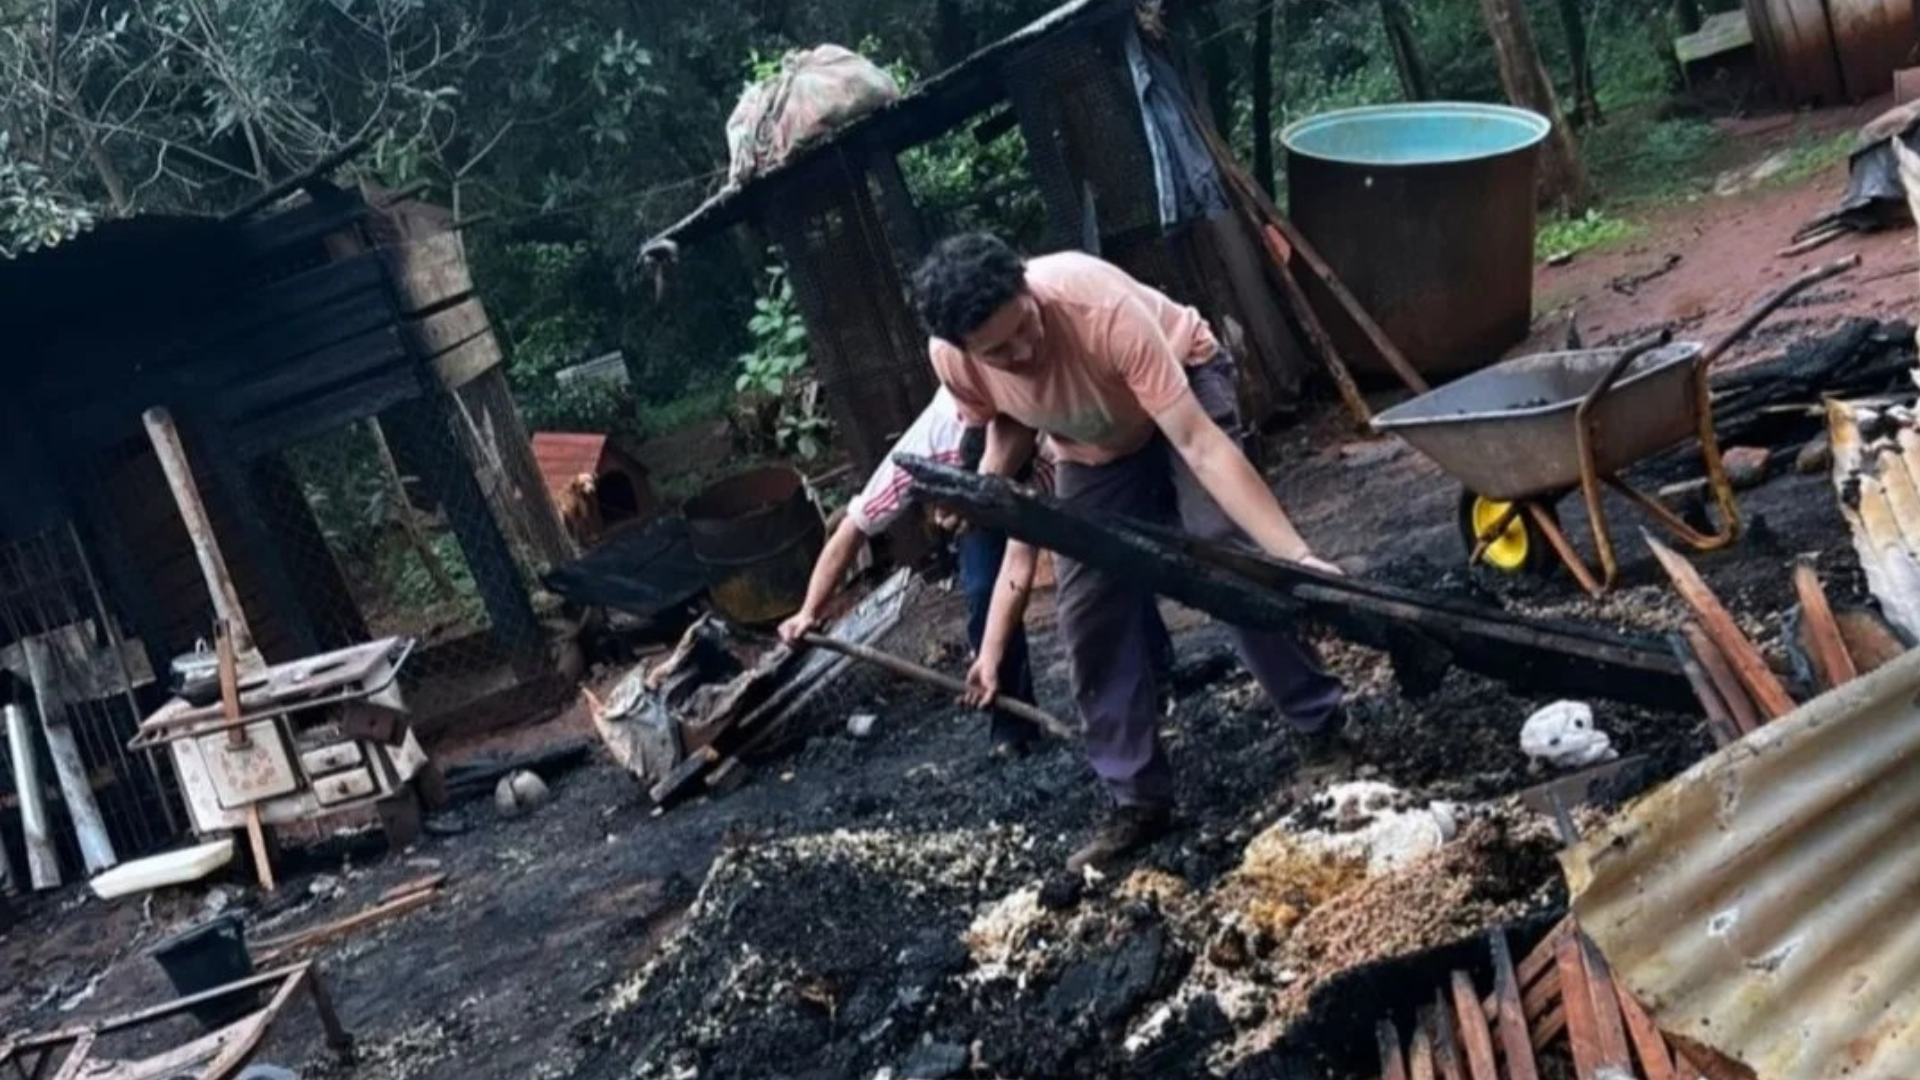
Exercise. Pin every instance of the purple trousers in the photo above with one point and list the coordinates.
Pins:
(1103, 617)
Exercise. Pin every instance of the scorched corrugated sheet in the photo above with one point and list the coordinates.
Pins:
(1763, 904)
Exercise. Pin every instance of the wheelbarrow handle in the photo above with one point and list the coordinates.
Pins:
(1627, 356)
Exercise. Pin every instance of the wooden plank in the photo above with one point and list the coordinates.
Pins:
(1608, 1024)
(280, 428)
(1420, 1064)
(1550, 1026)
(1740, 708)
(1425, 633)
(466, 362)
(273, 949)
(286, 386)
(431, 335)
(1446, 1046)
(429, 271)
(1822, 632)
(416, 885)
(50, 696)
(1718, 623)
(237, 736)
(1656, 1060)
(1515, 1041)
(1393, 1063)
(1720, 719)
(1475, 1040)
(1588, 1055)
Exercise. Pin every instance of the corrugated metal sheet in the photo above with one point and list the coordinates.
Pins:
(1878, 483)
(1761, 904)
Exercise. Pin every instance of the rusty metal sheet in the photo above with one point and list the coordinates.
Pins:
(1759, 905)
(1877, 481)
(1871, 38)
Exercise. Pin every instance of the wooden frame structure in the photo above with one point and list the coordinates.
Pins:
(848, 229)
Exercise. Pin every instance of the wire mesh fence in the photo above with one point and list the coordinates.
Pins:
(69, 666)
(386, 529)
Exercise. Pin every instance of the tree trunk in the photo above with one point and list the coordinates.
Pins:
(1563, 179)
(1416, 82)
(1263, 99)
(1688, 14)
(1585, 104)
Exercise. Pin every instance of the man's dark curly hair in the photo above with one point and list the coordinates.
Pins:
(963, 282)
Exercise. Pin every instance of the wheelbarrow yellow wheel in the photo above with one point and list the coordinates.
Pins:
(1518, 548)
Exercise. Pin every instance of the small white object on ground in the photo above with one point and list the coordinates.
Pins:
(860, 725)
(519, 792)
(1563, 735)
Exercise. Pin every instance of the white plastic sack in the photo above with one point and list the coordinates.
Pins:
(1563, 735)
(817, 91)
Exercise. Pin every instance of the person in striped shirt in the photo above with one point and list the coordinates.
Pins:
(938, 433)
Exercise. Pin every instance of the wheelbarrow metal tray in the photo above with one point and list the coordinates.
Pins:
(1508, 432)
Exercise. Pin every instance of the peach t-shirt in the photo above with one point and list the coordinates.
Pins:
(1113, 353)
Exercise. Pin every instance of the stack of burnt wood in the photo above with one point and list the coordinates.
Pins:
(1738, 688)
(1560, 1001)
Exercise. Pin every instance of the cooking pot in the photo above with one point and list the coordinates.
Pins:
(196, 675)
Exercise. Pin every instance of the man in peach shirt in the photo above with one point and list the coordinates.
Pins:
(1134, 392)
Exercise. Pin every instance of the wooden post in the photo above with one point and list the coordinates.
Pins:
(89, 828)
(206, 546)
(1564, 178)
(230, 711)
(43, 865)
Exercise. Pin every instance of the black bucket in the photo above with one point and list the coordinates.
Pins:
(204, 958)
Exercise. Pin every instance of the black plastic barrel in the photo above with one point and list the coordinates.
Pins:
(205, 957)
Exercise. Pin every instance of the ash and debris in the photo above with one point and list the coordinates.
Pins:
(893, 905)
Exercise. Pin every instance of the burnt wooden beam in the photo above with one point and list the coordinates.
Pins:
(1423, 632)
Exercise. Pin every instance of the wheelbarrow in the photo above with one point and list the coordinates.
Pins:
(1523, 434)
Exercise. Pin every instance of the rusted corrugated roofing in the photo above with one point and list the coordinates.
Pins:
(1760, 905)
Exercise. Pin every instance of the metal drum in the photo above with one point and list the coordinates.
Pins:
(1426, 211)
(757, 534)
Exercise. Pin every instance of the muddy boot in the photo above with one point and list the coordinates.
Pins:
(1126, 830)
(1326, 746)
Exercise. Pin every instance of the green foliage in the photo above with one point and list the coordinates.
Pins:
(1569, 236)
(1812, 155)
(1638, 158)
(778, 407)
(32, 213)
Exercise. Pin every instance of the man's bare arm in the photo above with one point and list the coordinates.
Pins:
(1224, 471)
(1010, 445)
(829, 570)
(1008, 609)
